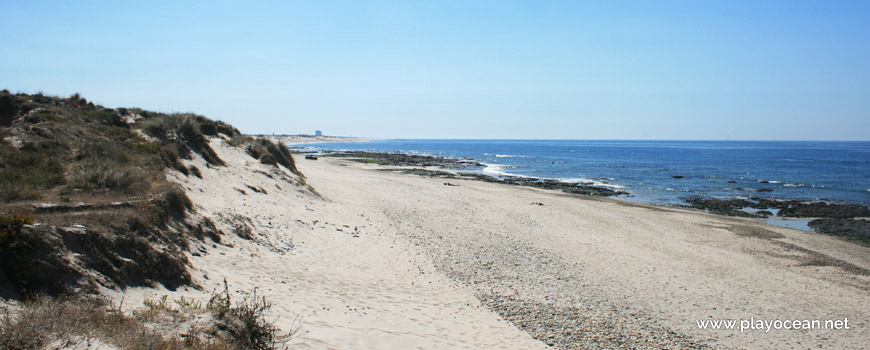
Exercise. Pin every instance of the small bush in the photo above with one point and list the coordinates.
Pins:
(173, 204)
(245, 321)
(208, 128)
(269, 159)
(106, 116)
(8, 109)
(157, 127)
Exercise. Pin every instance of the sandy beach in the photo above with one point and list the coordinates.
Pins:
(374, 259)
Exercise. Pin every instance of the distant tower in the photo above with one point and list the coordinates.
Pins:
(318, 133)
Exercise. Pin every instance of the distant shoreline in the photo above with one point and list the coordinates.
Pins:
(300, 139)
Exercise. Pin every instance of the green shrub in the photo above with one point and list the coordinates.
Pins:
(8, 109)
(13, 248)
(26, 172)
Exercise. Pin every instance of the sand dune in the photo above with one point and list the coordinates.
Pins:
(384, 260)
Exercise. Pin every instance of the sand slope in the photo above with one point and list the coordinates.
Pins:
(386, 260)
(345, 277)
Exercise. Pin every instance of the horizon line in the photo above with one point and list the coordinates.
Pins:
(534, 139)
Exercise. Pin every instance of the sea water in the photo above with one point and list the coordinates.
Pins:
(664, 172)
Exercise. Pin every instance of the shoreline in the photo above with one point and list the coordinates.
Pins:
(376, 259)
(531, 280)
(669, 181)
(464, 168)
(762, 209)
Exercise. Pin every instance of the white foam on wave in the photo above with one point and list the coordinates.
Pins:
(589, 182)
(498, 170)
(419, 153)
(506, 156)
(793, 185)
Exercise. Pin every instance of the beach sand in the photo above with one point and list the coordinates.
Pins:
(386, 260)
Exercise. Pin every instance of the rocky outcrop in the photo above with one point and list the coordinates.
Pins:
(857, 228)
(824, 210)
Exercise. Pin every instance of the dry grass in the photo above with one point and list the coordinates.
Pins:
(179, 324)
(65, 323)
(267, 152)
(188, 131)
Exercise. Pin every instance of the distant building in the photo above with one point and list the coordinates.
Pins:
(318, 133)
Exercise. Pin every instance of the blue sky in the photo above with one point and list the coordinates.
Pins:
(759, 70)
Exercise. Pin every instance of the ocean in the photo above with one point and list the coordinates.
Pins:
(664, 172)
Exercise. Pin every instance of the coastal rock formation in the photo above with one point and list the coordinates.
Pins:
(729, 207)
(857, 228)
(824, 210)
(405, 161)
(836, 218)
(400, 159)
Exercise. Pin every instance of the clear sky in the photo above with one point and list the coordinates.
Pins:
(778, 70)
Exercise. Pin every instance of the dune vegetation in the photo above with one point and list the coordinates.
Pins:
(85, 204)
